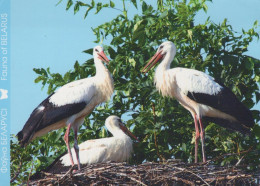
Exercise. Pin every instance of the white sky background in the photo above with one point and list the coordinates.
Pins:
(44, 35)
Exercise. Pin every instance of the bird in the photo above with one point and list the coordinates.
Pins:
(70, 104)
(117, 148)
(203, 96)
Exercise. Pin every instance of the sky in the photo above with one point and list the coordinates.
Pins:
(45, 35)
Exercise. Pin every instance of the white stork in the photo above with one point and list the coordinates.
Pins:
(200, 94)
(117, 148)
(70, 104)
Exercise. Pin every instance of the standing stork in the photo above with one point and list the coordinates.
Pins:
(200, 94)
(117, 148)
(69, 105)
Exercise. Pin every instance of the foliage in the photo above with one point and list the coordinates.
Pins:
(164, 127)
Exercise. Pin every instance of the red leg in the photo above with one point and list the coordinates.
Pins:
(196, 138)
(202, 137)
(76, 147)
(66, 139)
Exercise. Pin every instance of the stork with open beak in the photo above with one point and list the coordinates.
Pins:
(200, 94)
(117, 148)
(69, 105)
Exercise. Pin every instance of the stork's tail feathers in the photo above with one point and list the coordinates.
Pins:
(20, 138)
(23, 138)
(30, 127)
(233, 125)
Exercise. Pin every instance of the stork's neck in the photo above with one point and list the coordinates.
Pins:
(100, 68)
(116, 132)
(119, 133)
(103, 75)
(103, 80)
(165, 64)
(163, 80)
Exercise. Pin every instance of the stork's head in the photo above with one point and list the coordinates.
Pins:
(98, 53)
(114, 123)
(165, 48)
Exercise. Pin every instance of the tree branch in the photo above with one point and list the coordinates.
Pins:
(155, 137)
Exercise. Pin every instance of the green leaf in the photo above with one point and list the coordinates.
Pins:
(117, 40)
(160, 4)
(256, 24)
(76, 66)
(249, 64)
(205, 7)
(138, 31)
(50, 88)
(134, 2)
(208, 58)
(93, 3)
(230, 60)
(256, 131)
(144, 6)
(69, 4)
(38, 79)
(37, 70)
(86, 14)
(190, 34)
(58, 136)
(112, 52)
(41, 71)
(76, 7)
(59, 2)
(98, 7)
(105, 5)
(132, 62)
(112, 4)
(164, 14)
(184, 147)
(89, 51)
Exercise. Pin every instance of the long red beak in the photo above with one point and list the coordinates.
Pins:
(103, 57)
(157, 56)
(123, 128)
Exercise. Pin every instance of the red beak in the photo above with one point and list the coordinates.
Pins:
(157, 56)
(103, 57)
(123, 128)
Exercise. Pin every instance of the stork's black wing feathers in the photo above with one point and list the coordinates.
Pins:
(49, 115)
(54, 114)
(225, 101)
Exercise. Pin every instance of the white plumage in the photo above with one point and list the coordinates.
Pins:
(69, 105)
(117, 148)
(75, 92)
(193, 80)
(200, 94)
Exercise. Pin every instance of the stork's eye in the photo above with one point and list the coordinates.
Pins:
(96, 50)
(120, 121)
(161, 46)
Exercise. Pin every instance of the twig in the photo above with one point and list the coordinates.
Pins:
(183, 180)
(230, 178)
(17, 172)
(230, 154)
(185, 170)
(46, 179)
(68, 172)
(102, 168)
(30, 173)
(122, 174)
(239, 161)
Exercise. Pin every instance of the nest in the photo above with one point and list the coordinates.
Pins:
(172, 172)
